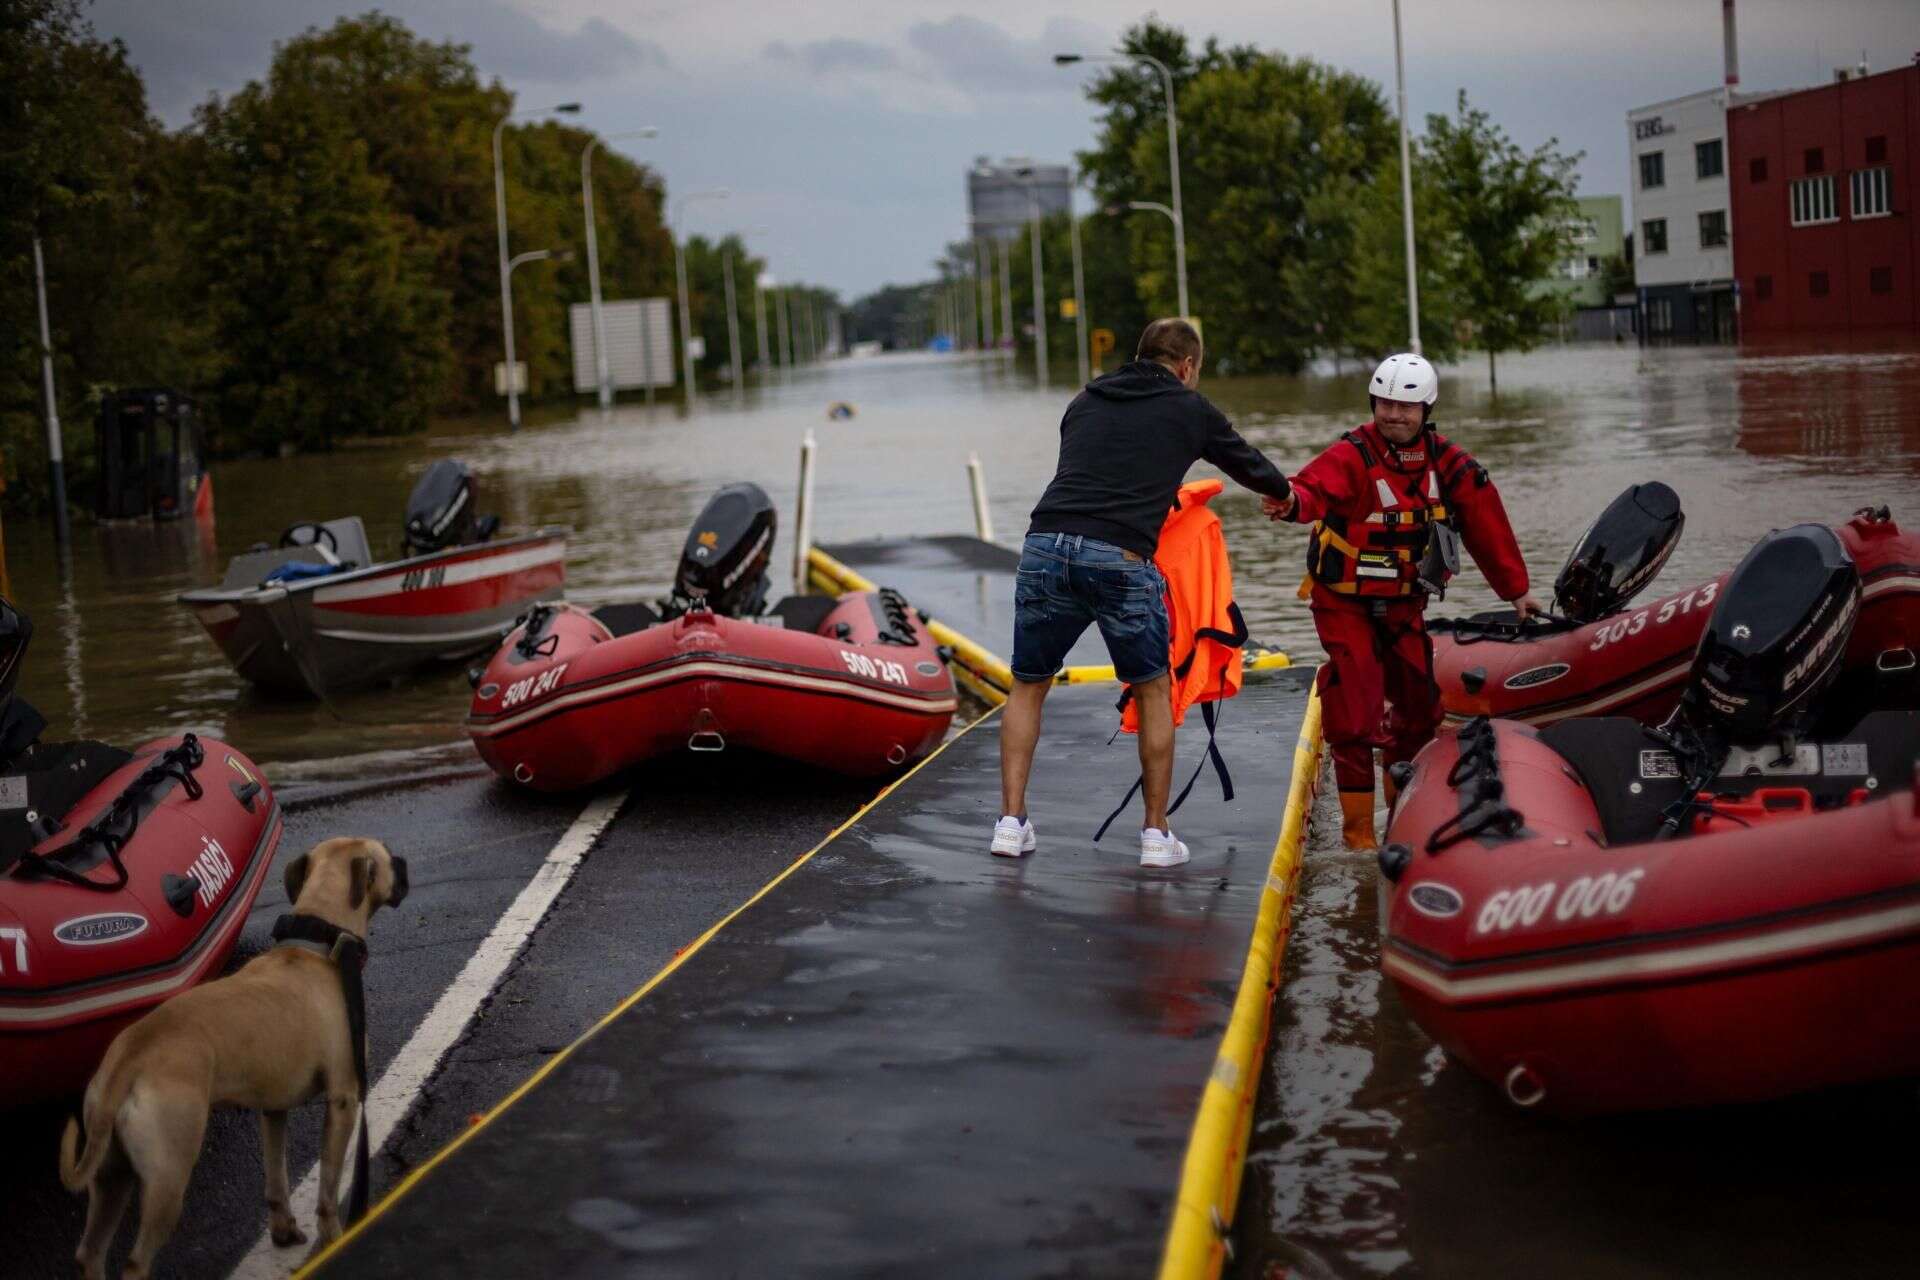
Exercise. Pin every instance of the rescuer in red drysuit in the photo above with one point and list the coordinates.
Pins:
(1373, 499)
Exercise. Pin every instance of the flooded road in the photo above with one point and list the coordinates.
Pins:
(1371, 1156)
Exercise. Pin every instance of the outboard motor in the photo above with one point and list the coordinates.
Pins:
(1774, 643)
(1620, 553)
(440, 511)
(723, 567)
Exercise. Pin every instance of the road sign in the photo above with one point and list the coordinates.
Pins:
(500, 387)
(1101, 342)
(1069, 308)
(639, 344)
(697, 347)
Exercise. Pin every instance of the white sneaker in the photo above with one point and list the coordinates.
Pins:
(1013, 838)
(1161, 849)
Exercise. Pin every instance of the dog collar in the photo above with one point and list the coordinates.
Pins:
(311, 933)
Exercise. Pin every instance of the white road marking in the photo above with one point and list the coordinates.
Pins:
(392, 1096)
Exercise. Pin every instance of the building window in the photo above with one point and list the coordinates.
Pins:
(1880, 280)
(1811, 200)
(1709, 160)
(1653, 170)
(1593, 265)
(1872, 192)
(1817, 285)
(1713, 229)
(1815, 160)
(1653, 235)
(1660, 315)
(1877, 149)
(1757, 169)
(1762, 288)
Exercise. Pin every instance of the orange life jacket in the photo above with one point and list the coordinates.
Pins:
(1206, 634)
(1379, 556)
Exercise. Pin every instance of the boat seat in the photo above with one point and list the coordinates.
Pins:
(1613, 754)
(249, 568)
(804, 613)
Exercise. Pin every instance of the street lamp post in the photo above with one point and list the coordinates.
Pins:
(56, 468)
(1006, 295)
(605, 379)
(680, 270)
(1039, 284)
(733, 327)
(514, 264)
(783, 319)
(1406, 188)
(1079, 294)
(500, 219)
(760, 282)
(1173, 152)
(1151, 206)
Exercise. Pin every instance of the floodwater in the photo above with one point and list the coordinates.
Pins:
(1371, 1155)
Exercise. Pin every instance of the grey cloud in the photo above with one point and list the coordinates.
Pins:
(838, 54)
(978, 56)
(186, 49)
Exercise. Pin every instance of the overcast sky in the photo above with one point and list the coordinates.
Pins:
(844, 127)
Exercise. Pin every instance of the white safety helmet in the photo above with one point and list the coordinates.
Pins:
(1405, 377)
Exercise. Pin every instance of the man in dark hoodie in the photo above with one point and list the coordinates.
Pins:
(1126, 443)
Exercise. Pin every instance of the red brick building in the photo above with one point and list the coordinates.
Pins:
(1822, 184)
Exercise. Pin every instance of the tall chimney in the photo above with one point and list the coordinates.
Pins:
(1732, 44)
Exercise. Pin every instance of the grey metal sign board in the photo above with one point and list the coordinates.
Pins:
(639, 344)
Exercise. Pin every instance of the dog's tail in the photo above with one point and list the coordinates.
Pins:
(77, 1169)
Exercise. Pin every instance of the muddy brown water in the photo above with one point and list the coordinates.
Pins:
(1371, 1154)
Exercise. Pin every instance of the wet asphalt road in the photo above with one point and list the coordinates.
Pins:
(696, 838)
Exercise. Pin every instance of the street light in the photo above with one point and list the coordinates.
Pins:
(1406, 188)
(1039, 287)
(593, 272)
(680, 269)
(514, 264)
(1151, 206)
(500, 219)
(1173, 151)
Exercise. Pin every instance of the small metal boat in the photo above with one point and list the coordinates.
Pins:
(317, 615)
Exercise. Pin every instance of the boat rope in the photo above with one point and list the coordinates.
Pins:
(1476, 774)
(116, 826)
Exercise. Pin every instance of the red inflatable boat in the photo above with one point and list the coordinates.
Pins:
(1600, 916)
(1633, 662)
(854, 684)
(140, 893)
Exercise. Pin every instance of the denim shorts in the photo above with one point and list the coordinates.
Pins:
(1067, 582)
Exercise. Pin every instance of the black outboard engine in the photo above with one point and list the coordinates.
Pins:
(440, 511)
(723, 567)
(1620, 553)
(1774, 643)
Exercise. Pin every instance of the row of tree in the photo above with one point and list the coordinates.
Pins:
(315, 257)
(1292, 202)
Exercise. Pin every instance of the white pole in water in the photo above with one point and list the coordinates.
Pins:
(1406, 188)
(803, 515)
(56, 467)
(977, 482)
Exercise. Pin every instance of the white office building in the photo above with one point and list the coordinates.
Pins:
(1682, 224)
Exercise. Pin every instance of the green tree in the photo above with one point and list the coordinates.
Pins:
(86, 168)
(1376, 323)
(1278, 148)
(326, 315)
(707, 302)
(1509, 210)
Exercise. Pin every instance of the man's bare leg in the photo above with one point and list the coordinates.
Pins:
(1155, 704)
(1019, 733)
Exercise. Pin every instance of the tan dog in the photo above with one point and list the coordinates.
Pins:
(270, 1037)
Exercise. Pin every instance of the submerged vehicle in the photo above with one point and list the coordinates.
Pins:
(1599, 656)
(1601, 915)
(854, 683)
(318, 615)
(125, 879)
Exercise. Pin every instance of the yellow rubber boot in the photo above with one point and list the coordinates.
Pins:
(1356, 820)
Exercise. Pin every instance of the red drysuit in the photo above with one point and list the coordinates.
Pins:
(1367, 611)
